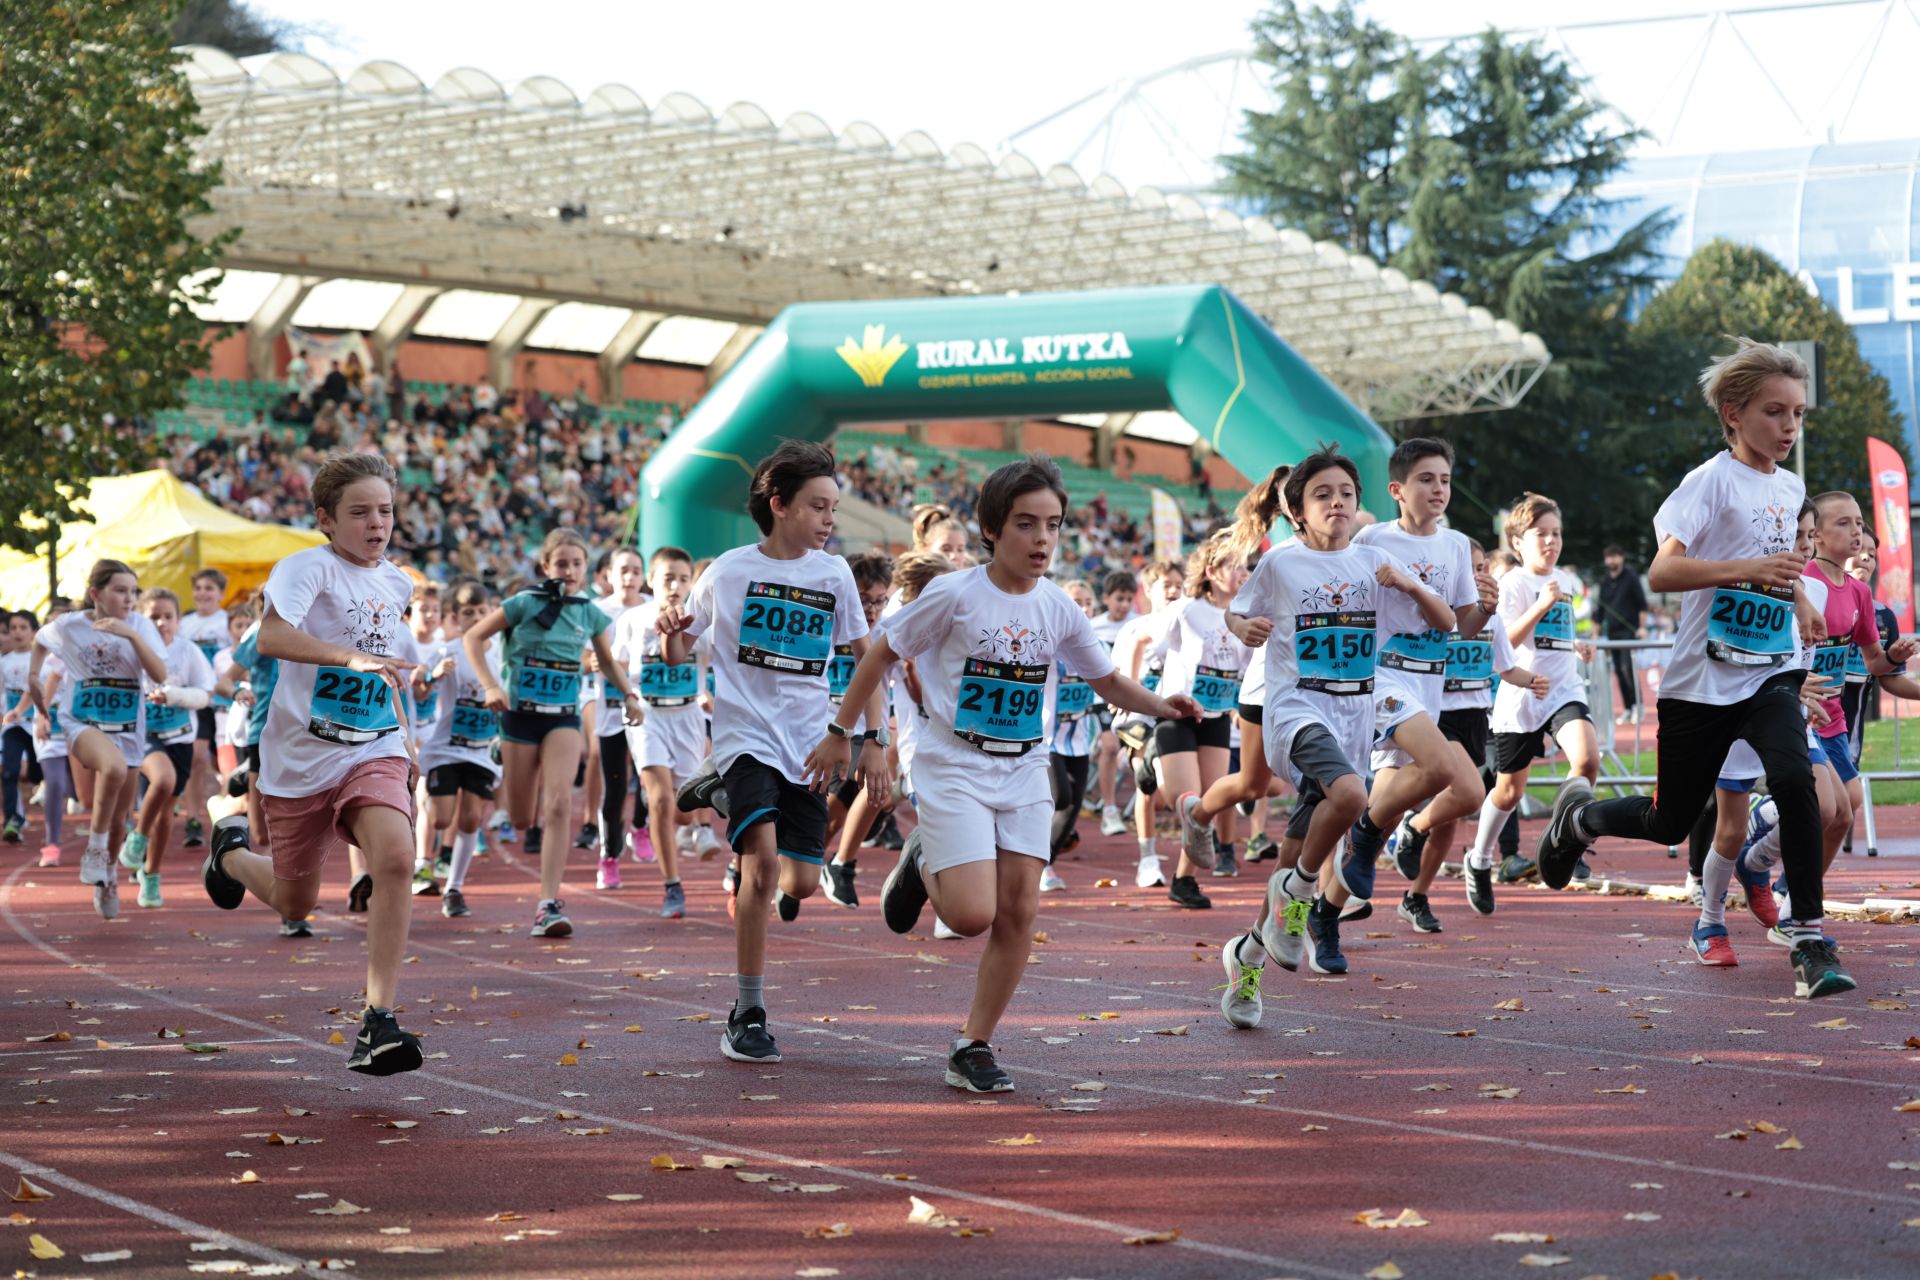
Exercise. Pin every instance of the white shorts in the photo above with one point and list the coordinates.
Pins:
(132, 746)
(676, 739)
(957, 826)
(1390, 711)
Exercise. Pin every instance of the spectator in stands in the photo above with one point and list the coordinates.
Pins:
(485, 398)
(334, 386)
(297, 375)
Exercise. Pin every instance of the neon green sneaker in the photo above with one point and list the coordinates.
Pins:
(133, 854)
(1241, 1001)
(149, 888)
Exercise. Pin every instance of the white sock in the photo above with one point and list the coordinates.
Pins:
(1493, 820)
(464, 843)
(1715, 876)
(1249, 951)
(1148, 848)
(1764, 854)
(1801, 929)
(96, 841)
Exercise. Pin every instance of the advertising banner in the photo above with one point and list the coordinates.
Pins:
(1166, 526)
(1894, 527)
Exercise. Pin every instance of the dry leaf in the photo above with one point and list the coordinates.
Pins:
(1169, 1031)
(667, 1164)
(1911, 1104)
(633, 1030)
(1386, 1271)
(704, 1017)
(721, 1162)
(1836, 1024)
(622, 1197)
(1094, 1086)
(759, 1097)
(27, 1193)
(498, 1128)
(1543, 1259)
(587, 1133)
(52, 1037)
(291, 1140)
(506, 1215)
(1625, 1088)
(1313, 1128)
(922, 1214)
(302, 1111)
(215, 1048)
(754, 1177)
(1106, 884)
(43, 1248)
(1521, 1237)
(1640, 1217)
(411, 1248)
(448, 1111)
(819, 1188)
(236, 1111)
(1791, 1144)
(1434, 1088)
(1040, 935)
(1733, 1135)
(838, 1231)
(1154, 1237)
(340, 1209)
(817, 1273)
(569, 1060)
(1027, 1140)
(1763, 1126)
(247, 1178)
(336, 1038)
(1463, 1035)
(1512, 1006)
(1381, 1222)
(117, 1255)
(398, 1124)
(1499, 1091)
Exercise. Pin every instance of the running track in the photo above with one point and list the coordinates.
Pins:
(1259, 1147)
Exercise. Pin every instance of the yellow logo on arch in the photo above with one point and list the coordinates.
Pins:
(875, 356)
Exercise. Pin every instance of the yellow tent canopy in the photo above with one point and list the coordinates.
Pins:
(161, 527)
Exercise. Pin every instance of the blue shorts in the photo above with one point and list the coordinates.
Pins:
(1838, 752)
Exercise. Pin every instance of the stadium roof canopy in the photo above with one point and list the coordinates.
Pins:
(527, 213)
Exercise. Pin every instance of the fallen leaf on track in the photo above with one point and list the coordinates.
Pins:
(117, 1255)
(1791, 1144)
(52, 1037)
(1640, 1217)
(336, 1038)
(1386, 1271)
(1154, 1237)
(1027, 1140)
(1625, 1088)
(1521, 1237)
(340, 1209)
(622, 1197)
(1512, 1006)
(1094, 1086)
(217, 1048)
(569, 1059)
(1544, 1259)
(247, 1178)
(837, 1231)
(43, 1248)
(922, 1214)
(667, 1164)
(721, 1162)
(1836, 1024)
(1381, 1222)
(1733, 1135)
(1762, 1126)
(291, 1140)
(27, 1193)
(1169, 1031)
(697, 1017)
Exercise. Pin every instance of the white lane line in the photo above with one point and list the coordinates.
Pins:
(83, 1048)
(158, 1216)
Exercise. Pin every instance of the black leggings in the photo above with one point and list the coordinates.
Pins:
(1700, 839)
(1069, 793)
(614, 772)
(1693, 743)
(17, 760)
(1625, 677)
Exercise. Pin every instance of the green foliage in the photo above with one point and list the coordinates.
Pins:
(97, 186)
(228, 24)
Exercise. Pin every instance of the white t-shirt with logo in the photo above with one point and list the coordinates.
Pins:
(13, 688)
(1413, 662)
(207, 631)
(1547, 651)
(325, 721)
(987, 666)
(774, 624)
(1474, 664)
(102, 687)
(611, 719)
(1730, 639)
(465, 728)
(186, 669)
(1200, 656)
(637, 647)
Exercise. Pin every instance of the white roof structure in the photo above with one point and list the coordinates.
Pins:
(639, 216)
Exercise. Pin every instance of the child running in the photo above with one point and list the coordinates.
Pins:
(987, 639)
(50, 744)
(333, 765)
(626, 575)
(172, 710)
(106, 649)
(457, 748)
(206, 627)
(1119, 590)
(1726, 541)
(17, 760)
(1070, 745)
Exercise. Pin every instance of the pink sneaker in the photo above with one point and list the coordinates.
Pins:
(609, 874)
(50, 855)
(640, 845)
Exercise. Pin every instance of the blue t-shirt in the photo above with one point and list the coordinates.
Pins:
(541, 665)
(262, 674)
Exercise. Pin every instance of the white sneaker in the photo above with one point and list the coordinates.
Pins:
(1149, 874)
(1696, 892)
(1284, 932)
(1111, 822)
(683, 839)
(1241, 999)
(96, 866)
(706, 844)
(941, 931)
(1050, 881)
(106, 898)
(1195, 838)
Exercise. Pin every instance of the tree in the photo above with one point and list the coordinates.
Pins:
(228, 24)
(97, 184)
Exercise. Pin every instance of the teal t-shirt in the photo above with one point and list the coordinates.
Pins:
(541, 665)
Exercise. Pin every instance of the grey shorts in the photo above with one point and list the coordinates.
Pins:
(1316, 756)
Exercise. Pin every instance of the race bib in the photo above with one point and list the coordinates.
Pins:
(546, 687)
(475, 724)
(1469, 664)
(840, 672)
(1151, 680)
(1750, 625)
(112, 706)
(1334, 652)
(208, 649)
(1216, 690)
(14, 698)
(786, 629)
(350, 707)
(1857, 672)
(664, 685)
(999, 705)
(425, 709)
(165, 722)
(1417, 652)
(1554, 631)
(1072, 698)
(1831, 659)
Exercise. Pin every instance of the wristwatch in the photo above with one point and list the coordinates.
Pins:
(880, 738)
(834, 728)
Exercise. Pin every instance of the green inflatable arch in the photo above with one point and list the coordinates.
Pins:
(1195, 349)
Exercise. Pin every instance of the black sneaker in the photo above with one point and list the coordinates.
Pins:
(971, 1067)
(291, 928)
(534, 838)
(1817, 971)
(1562, 843)
(196, 834)
(875, 827)
(360, 894)
(903, 894)
(1356, 909)
(1514, 868)
(1323, 939)
(788, 906)
(589, 837)
(454, 905)
(1415, 910)
(889, 837)
(747, 1038)
(237, 783)
(1480, 889)
(226, 892)
(840, 884)
(704, 790)
(1582, 872)
(1185, 891)
(1262, 848)
(1409, 843)
(1224, 862)
(1144, 779)
(382, 1048)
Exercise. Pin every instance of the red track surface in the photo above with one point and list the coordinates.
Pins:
(1260, 1147)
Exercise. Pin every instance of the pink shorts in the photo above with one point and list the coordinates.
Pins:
(306, 830)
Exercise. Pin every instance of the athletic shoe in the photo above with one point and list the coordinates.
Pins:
(706, 844)
(1817, 971)
(1149, 875)
(237, 783)
(1779, 937)
(50, 855)
(1356, 909)
(507, 832)
(1759, 892)
(1562, 843)
(1050, 881)
(106, 898)
(730, 878)
(609, 877)
(683, 840)
(1195, 838)
(133, 853)
(454, 905)
(1240, 1000)
(1224, 863)
(1261, 847)
(1712, 947)
(1284, 931)
(1359, 863)
(787, 905)
(226, 892)
(944, 932)
(382, 1048)
(840, 888)
(96, 865)
(149, 889)
(1697, 892)
(1409, 844)
(747, 1038)
(1245, 807)
(1323, 933)
(291, 928)
(704, 790)
(971, 1067)
(1516, 867)
(903, 893)
(1480, 889)
(424, 885)
(196, 835)
(1760, 819)
(1111, 823)
(11, 832)
(443, 865)
(589, 837)
(889, 837)
(549, 921)
(1582, 872)
(1416, 911)
(640, 846)
(673, 903)
(359, 894)
(1185, 892)
(1145, 780)
(535, 838)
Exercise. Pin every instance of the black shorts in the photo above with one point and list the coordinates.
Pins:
(1250, 714)
(1302, 815)
(759, 793)
(1468, 727)
(846, 791)
(250, 755)
(445, 780)
(203, 730)
(530, 728)
(1176, 736)
(1513, 752)
(181, 755)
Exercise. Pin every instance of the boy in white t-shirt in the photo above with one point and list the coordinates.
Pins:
(206, 627)
(986, 642)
